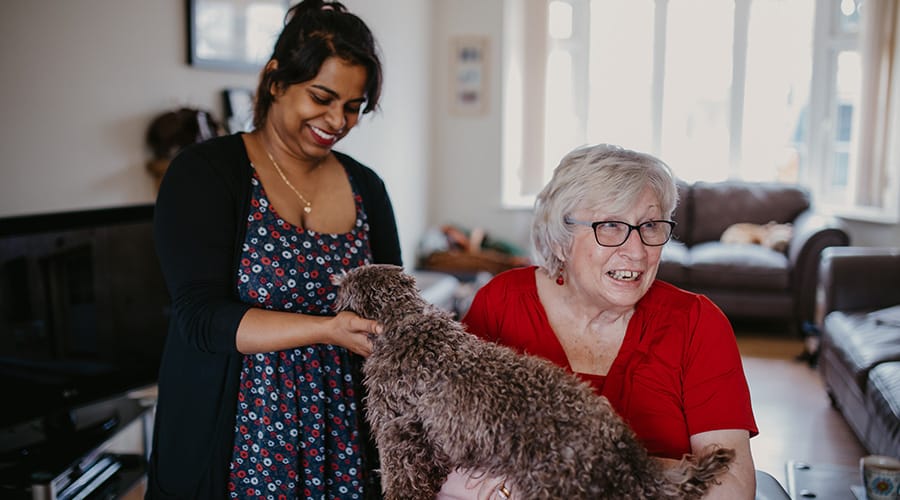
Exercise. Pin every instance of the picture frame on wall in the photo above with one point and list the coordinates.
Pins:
(468, 75)
(234, 35)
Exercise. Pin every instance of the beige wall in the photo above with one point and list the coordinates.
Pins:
(82, 80)
(466, 182)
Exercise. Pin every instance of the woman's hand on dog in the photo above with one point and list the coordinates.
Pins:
(352, 331)
(266, 331)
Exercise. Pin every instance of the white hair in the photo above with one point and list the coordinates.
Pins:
(601, 175)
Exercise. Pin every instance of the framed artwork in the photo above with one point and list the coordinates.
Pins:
(238, 109)
(468, 75)
(233, 34)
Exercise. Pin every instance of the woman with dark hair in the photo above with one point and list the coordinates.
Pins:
(259, 387)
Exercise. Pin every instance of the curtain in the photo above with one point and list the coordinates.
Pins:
(878, 152)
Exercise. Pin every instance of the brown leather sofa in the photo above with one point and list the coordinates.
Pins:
(859, 357)
(749, 280)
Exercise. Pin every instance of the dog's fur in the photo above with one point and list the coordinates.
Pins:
(440, 398)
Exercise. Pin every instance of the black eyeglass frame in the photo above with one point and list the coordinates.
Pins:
(631, 227)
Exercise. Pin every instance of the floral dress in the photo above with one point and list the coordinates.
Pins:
(296, 431)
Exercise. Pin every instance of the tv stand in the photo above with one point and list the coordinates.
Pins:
(107, 458)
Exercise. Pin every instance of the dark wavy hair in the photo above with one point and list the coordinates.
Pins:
(315, 30)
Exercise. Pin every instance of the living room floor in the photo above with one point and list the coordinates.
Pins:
(795, 418)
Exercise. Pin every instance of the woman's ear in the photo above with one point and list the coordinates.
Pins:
(558, 253)
(271, 66)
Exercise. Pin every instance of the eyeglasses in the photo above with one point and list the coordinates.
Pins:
(614, 233)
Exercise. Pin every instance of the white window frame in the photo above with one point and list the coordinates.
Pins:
(525, 50)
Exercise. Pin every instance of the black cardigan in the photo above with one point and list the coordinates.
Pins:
(199, 228)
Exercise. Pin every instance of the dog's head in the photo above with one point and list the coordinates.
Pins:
(377, 291)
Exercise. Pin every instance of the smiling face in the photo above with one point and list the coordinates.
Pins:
(310, 117)
(614, 277)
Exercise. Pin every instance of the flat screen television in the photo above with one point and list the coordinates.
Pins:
(83, 318)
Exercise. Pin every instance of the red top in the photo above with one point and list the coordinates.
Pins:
(678, 372)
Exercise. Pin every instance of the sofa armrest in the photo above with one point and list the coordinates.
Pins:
(813, 232)
(857, 278)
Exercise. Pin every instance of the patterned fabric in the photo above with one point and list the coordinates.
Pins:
(296, 431)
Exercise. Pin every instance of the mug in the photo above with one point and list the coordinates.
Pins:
(880, 477)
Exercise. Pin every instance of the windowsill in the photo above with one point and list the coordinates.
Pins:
(863, 214)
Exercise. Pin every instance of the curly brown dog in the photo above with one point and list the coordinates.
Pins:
(440, 398)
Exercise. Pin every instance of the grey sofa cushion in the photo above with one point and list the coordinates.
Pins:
(861, 343)
(883, 403)
(714, 264)
(676, 258)
(683, 212)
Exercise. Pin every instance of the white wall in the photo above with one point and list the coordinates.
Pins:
(465, 184)
(82, 80)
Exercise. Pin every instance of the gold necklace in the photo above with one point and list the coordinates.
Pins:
(307, 205)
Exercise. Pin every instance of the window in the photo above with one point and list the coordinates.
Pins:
(760, 90)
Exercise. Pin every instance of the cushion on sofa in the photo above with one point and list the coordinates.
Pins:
(683, 211)
(770, 304)
(884, 403)
(889, 316)
(715, 264)
(676, 258)
(718, 205)
(861, 342)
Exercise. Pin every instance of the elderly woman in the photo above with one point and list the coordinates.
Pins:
(665, 358)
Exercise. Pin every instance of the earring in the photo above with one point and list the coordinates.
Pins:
(559, 278)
